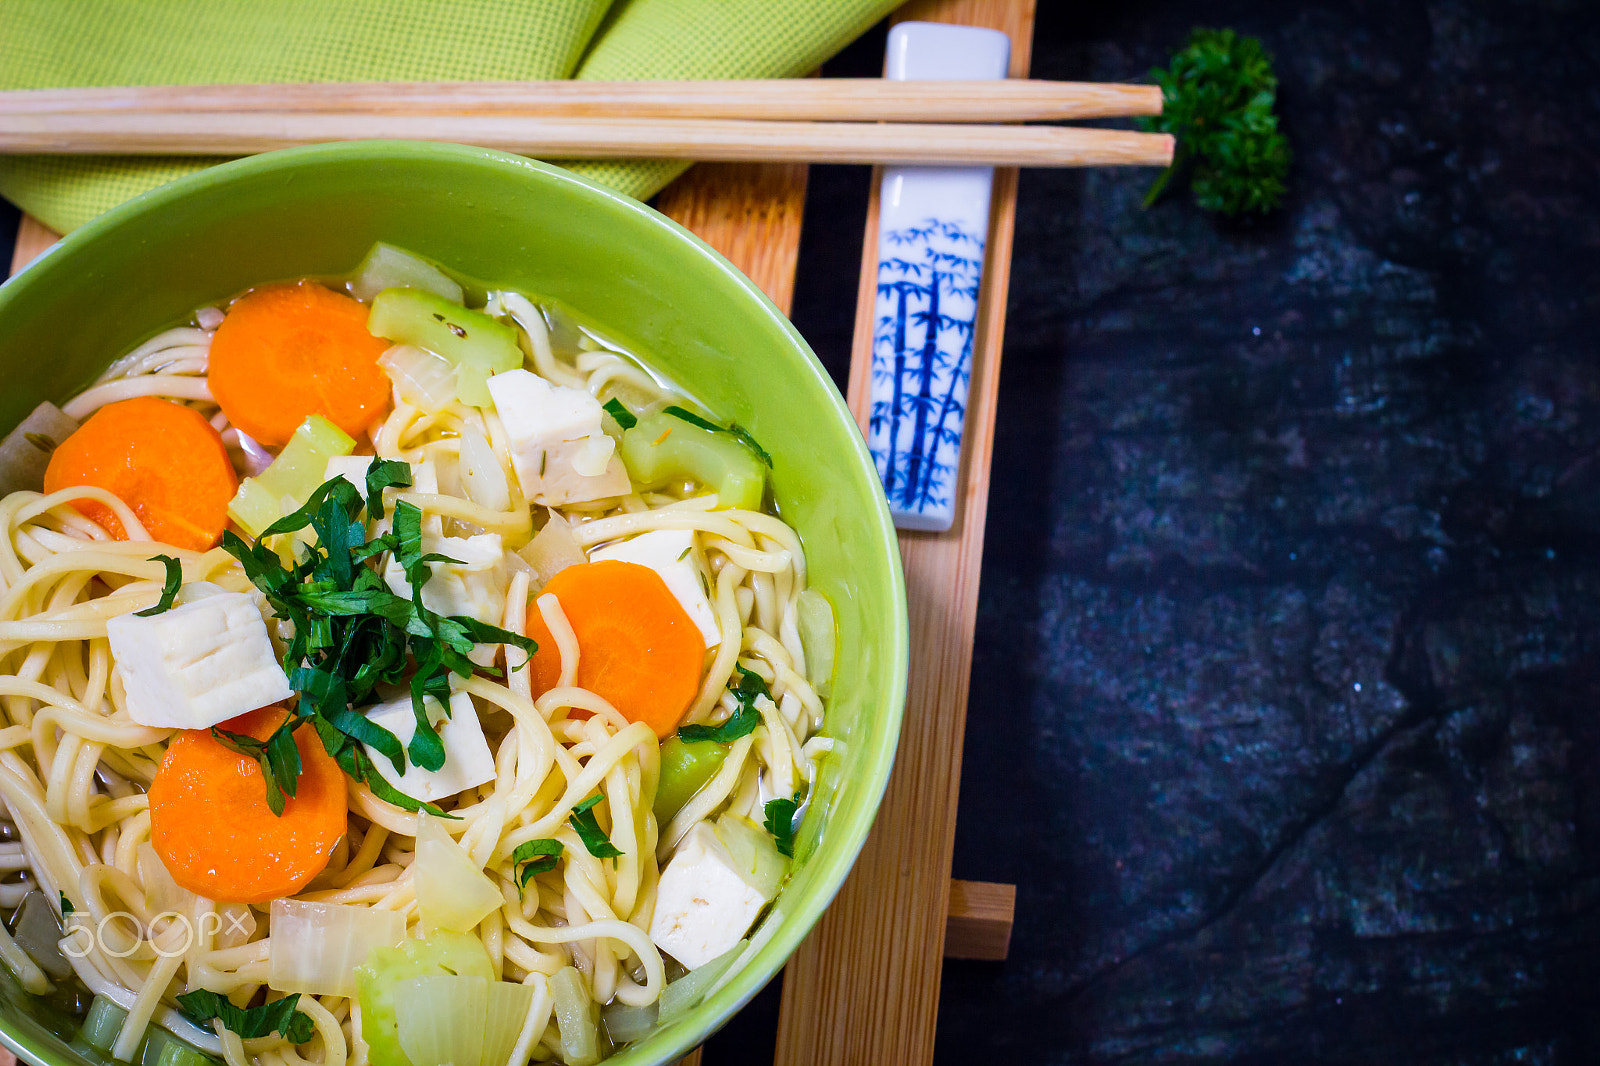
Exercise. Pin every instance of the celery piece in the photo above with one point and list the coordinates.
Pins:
(477, 344)
(472, 385)
(177, 1053)
(685, 768)
(255, 507)
(661, 448)
(440, 952)
(291, 478)
(102, 1024)
(299, 467)
(161, 1048)
(388, 267)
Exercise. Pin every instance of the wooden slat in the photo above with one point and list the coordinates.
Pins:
(750, 212)
(33, 237)
(978, 923)
(864, 987)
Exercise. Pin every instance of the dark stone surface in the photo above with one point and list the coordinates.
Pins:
(1284, 707)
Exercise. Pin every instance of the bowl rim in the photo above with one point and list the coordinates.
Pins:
(844, 842)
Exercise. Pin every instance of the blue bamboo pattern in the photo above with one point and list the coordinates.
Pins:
(922, 351)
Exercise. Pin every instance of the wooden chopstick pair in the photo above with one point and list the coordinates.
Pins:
(802, 120)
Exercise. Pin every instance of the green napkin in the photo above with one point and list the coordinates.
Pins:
(60, 43)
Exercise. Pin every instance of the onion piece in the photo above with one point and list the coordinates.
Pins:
(755, 857)
(388, 267)
(25, 451)
(452, 891)
(424, 380)
(625, 1024)
(161, 893)
(441, 1018)
(21, 964)
(38, 932)
(684, 994)
(482, 476)
(317, 946)
(256, 457)
(238, 925)
(505, 1010)
(580, 1037)
(553, 549)
(818, 637)
(462, 1020)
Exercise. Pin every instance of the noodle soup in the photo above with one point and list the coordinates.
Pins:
(398, 674)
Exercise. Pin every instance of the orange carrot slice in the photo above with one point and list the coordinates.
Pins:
(210, 823)
(162, 459)
(637, 647)
(286, 352)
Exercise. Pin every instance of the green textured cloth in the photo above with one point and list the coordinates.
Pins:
(61, 43)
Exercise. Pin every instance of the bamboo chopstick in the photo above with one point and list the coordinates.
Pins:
(243, 133)
(814, 99)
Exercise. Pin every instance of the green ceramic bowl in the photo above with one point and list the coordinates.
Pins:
(650, 284)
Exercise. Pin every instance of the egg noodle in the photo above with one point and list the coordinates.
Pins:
(75, 767)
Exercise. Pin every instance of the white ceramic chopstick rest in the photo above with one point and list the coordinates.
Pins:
(933, 224)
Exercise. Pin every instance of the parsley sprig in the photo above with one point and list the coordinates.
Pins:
(169, 587)
(624, 417)
(277, 755)
(535, 857)
(732, 429)
(353, 634)
(780, 822)
(1219, 94)
(742, 722)
(587, 826)
(279, 1016)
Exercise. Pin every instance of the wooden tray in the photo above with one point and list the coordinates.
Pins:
(864, 987)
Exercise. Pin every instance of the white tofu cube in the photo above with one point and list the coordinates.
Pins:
(424, 478)
(558, 450)
(467, 760)
(353, 468)
(199, 664)
(703, 906)
(475, 587)
(669, 552)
